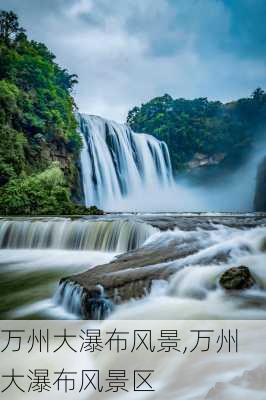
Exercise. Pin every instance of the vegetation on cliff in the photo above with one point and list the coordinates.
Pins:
(37, 127)
(43, 193)
(201, 126)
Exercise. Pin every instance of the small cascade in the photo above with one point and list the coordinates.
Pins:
(75, 300)
(70, 297)
(118, 235)
(117, 163)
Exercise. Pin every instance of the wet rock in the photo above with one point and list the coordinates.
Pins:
(129, 276)
(203, 160)
(237, 278)
(96, 305)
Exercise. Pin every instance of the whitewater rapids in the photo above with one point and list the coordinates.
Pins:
(36, 253)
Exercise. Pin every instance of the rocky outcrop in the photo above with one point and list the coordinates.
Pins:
(260, 193)
(130, 275)
(237, 278)
(202, 160)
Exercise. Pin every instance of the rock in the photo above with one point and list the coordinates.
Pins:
(237, 278)
(260, 193)
(131, 275)
(203, 160)
(96, 305)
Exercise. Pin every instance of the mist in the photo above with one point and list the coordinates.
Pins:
(227, 193)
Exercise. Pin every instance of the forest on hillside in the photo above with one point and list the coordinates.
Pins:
(202, 126)
(39, 141)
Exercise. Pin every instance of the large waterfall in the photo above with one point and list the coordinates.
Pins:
(118, 164)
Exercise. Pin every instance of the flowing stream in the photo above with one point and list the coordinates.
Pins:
(36, 253)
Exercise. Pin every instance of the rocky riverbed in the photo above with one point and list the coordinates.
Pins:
(179, 241)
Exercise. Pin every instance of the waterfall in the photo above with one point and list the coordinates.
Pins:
(73, 299)
(70, 297)
(118, 163)
(118, 235)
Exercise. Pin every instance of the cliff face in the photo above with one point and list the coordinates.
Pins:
(260, 194)
(69, 163)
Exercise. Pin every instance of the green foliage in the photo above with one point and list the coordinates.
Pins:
(37, 125)
(44, 193)
(202, 126)
(45, 101)
(9, 26)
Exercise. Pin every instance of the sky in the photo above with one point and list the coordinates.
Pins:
(126, 52)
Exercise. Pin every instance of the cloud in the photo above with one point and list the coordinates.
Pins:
(126, 52)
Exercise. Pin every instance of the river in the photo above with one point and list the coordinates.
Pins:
(167, 265)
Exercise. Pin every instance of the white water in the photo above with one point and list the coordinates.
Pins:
(194, 291)
(36, 254)
(62, 233)
(119, 164)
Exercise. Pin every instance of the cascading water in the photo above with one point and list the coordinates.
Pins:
(73, 298)
(116, 235)
(70, 297)
(118, 163)
(36, 253)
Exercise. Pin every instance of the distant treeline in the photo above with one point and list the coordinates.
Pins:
(201, 126)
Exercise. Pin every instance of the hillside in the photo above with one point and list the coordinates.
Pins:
(39, 142)
(201, 132)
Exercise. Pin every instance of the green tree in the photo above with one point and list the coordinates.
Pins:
(9, 26)
(37, 127)
(201, 126)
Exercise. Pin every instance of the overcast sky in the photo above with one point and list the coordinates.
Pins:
(127, 51)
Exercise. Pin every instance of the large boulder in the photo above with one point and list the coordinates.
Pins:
(237, 278)
(260, 193)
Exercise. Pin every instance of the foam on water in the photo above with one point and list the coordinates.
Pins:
(193, 291)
